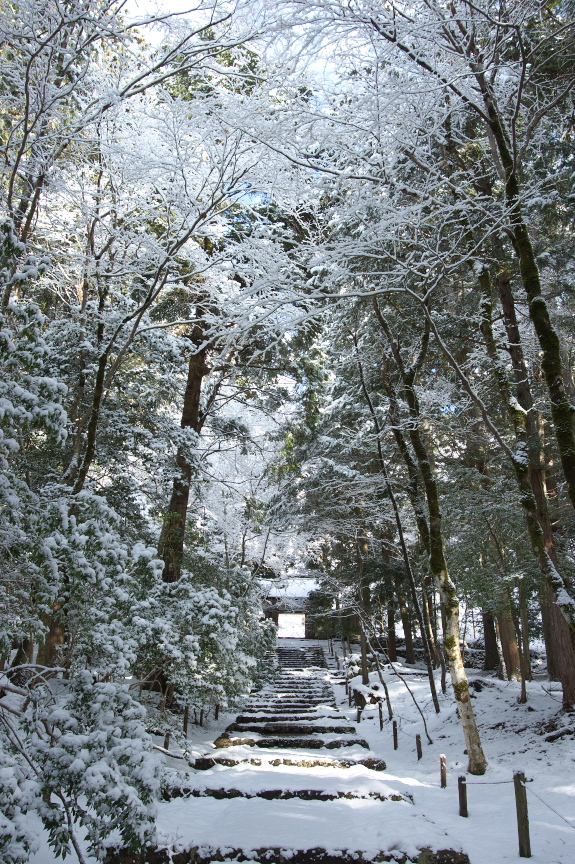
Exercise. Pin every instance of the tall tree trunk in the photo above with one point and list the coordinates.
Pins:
(547, 605)
(364, 666)
(438, 563)
(391, 639)
(54, 639)
(171, 544)
(549, 342)
(509, 644)
(491, 660)
(563, 652)
(531, 476)
(405, 621)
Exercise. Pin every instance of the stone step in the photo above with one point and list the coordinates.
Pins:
(278, 717)
(204, 763)
(296, 697)
(301, 692)
(266, 728)
(277, 855)
(289, 700)
(275, 794)
(281, 706)
(291, 743)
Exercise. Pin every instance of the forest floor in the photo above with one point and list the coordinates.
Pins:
(514, 738)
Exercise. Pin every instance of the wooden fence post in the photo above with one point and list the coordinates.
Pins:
(217, 712)
(462, 787)
(395, 741)
(522, 814)
(186, 719)
(167, 737)
(443, 770)
(380, 709)
(418, 747)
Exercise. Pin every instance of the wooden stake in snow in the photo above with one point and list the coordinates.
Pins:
(443, 770)
(418, 746)
(167, 740)
(522, 814)
(395, 742)
(462, 787)
(217, 712)
(380, 708)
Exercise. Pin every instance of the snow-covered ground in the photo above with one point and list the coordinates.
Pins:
(513, 737)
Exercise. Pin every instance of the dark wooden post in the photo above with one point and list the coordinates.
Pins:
(395, 742)
(443, 770)
(186, 719)
(167, 737)
(359, 710)
(217, 712)
(462, 787)
(522, 814)
(202, 717)
(418, 747)
(380, 709)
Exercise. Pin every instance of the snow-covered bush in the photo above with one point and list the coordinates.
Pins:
(80, 756)
(18, 794)
(205, 640)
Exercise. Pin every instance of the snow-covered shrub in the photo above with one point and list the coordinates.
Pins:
(73, 752)
(80, 756)
(206, 642)
(30, 411)
(17, 796)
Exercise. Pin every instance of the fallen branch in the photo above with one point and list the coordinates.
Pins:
(566, 730)
(167, 752)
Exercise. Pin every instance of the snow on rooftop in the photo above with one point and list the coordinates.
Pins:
(298, 585)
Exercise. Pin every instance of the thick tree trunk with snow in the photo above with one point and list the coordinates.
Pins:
(448, 594)
(171, 544)
(530, 476)
(437, 562)
(446, 588)
(547, 335)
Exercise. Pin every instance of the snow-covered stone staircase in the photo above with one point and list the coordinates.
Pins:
(290, 780)
(287, 719)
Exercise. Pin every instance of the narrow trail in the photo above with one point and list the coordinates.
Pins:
(291, 780)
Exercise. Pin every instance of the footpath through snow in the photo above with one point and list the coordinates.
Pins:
(295, 778)
(291, 779)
